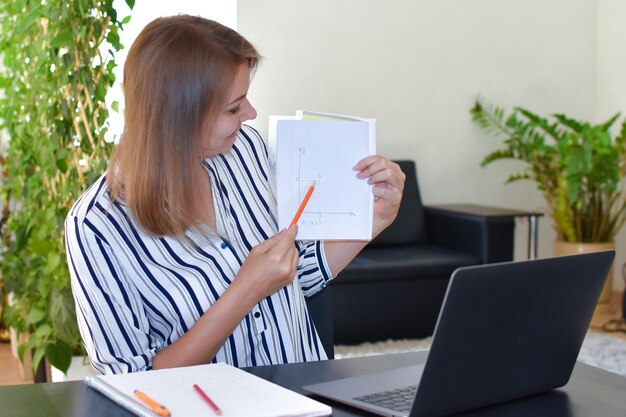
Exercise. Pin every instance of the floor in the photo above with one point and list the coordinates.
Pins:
(597, 322)
(10, 368)
(9, 374)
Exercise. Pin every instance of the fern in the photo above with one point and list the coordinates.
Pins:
(577, 166)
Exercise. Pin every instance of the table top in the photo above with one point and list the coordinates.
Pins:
(486, 211)
(590, 392)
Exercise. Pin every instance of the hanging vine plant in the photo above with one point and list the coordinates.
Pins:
(58, 58)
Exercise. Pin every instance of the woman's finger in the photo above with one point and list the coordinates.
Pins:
(369, 166)
(286, 240)
(271, 242)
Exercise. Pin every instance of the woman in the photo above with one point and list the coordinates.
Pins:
(174, 253)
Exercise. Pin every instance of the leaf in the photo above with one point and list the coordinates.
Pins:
(28, 21)
(113, 38)
(100, 92)
(22, 236)
(59, 355)
(34, 316)
(21, 349)
(531, 116)
(495, 155)
(517, 177)
(111, 66)
(62, 165)
(44, 331)
(54, 260)
(130, 3)
(573, 124)
(63, 315)
(37, 356)
(113, 14)
(62, 39)
(41, 247)
(607, 125)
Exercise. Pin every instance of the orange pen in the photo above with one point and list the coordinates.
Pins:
(303, 204)
(154, 406)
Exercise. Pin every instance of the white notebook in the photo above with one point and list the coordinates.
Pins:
(321, 149)
(234, 391)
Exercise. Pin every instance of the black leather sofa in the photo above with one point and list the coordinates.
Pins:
(394, 288)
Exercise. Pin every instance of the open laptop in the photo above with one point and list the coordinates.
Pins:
(505, 331)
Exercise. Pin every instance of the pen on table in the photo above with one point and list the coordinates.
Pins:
(303, 204)
(207, 399)
(154, 406)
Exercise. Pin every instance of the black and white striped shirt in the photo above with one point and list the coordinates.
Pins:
(136, 294)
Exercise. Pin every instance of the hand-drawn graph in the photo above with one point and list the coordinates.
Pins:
(323, 152)
(314, 211)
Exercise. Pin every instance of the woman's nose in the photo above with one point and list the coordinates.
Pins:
(249, 112)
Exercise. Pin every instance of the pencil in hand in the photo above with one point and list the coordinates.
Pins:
(303, 204)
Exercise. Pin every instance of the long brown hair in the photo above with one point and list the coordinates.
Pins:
(176, 79)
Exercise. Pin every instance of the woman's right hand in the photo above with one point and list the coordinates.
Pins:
(270, 265)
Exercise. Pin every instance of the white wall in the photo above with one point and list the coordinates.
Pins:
(417, 65)
(223, 11)
(611, 83)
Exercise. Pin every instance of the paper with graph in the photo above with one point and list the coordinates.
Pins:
(323, 148)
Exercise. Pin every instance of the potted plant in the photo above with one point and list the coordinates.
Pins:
(57, 67)
(579, 167)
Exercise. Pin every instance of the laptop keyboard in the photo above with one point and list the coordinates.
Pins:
(400, 399)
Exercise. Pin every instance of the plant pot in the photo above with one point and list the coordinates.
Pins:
(571, 248)
(79, 369)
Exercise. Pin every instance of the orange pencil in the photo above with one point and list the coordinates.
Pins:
(303, 204)
(154, 406)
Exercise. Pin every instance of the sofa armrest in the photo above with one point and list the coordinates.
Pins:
(320, 311)
(486, 232)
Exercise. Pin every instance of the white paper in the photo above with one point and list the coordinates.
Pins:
(323, 151)
(234, 391)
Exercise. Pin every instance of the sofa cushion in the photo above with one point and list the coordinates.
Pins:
(410, 225)
(413, 262)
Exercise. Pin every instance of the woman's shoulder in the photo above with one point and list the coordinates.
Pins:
(96, 196)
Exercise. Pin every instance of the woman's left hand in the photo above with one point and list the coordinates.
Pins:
(388, 181)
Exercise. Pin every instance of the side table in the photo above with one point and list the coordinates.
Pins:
(488, 211)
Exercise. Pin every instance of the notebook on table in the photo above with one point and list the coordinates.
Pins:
(232, 390)
(505, 331)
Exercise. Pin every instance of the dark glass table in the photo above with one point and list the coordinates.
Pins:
(590, 392)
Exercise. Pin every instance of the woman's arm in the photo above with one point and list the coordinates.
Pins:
(388, 181)
(271, 265)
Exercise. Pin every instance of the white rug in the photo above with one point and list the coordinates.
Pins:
(598, 349)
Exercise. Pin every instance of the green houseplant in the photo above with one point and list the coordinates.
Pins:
(58, 58)
(579, 167)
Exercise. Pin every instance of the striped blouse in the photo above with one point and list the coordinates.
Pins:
(136, 294)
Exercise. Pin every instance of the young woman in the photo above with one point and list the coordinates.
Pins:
(174, 253)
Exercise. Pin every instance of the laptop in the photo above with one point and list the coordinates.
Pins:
(505, 331)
